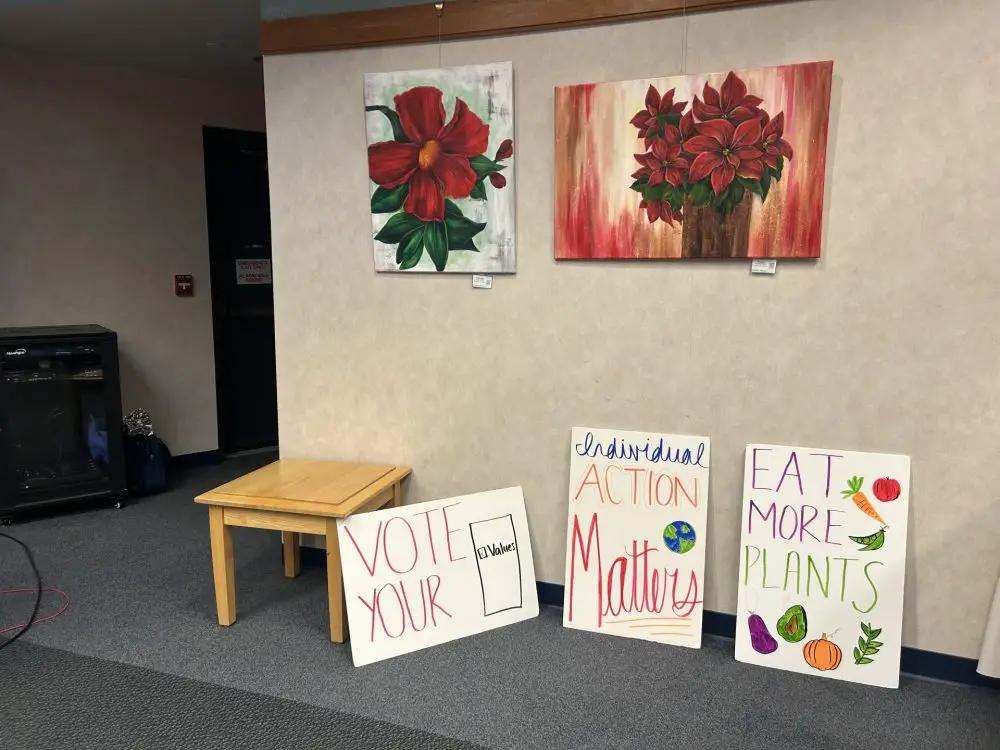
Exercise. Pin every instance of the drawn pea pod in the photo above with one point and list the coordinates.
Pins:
(871, 542)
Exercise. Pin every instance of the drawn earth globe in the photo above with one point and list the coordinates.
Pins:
(679, 537)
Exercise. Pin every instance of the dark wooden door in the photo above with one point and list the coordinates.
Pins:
(239, 230)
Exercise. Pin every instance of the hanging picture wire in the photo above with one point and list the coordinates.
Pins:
(439, 7)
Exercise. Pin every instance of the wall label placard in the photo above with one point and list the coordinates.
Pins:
(822, 562)
(635, 536)
(425, 574)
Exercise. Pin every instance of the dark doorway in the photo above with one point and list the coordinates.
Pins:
(239, 236)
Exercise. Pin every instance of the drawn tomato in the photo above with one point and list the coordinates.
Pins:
(886, 489)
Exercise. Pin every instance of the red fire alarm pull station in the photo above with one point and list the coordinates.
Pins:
(184, 285)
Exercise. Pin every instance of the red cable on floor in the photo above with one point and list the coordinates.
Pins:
(51, 589)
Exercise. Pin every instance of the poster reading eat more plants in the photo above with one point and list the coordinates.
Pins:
(822, 561)
(441, 168)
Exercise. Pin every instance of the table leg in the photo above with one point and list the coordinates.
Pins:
(222, 565)
(335, 584)
(397, 496)
(290, 553)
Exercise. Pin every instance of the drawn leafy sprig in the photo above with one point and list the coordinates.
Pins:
(867, 645)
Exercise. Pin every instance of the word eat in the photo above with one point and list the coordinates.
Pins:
(791, 470)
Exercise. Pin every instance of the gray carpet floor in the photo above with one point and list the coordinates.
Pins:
(141, 588)
(54, 699)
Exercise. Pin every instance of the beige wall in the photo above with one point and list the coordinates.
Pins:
(889, 343)
(102, 201)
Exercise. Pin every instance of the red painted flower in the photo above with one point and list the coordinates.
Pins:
(724, 151)
(436, 163)
(646, 119)
(771, 141)
(731, 103)
(505, 151)
(663, 162)
(661, 210)
(497, 180)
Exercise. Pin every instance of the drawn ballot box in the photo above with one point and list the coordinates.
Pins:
(499, 561)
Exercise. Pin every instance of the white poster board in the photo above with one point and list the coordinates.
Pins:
(425, 574)
(253, 271)
(635, 536)
(822, 560)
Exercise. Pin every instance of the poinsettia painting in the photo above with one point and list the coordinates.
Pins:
(725, 165)
(440, 167)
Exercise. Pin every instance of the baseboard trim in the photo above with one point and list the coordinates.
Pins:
(197, 460)
(913, 661)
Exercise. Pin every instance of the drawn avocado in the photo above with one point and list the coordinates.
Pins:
(792, 625)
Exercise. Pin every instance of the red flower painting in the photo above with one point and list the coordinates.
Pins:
(723, 152)
(730, 164)
(730, 103)
(724, 147)
(659, 110)
(435, 162)
(773, 143)
(431, 160)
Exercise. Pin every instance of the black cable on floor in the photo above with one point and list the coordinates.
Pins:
(38, 596)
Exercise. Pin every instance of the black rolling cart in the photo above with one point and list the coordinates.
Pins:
(60, 418)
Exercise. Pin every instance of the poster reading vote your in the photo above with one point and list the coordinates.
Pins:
(429, 573)
(822, 560)
(635, 539)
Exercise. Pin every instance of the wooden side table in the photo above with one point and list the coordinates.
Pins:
(295, 497)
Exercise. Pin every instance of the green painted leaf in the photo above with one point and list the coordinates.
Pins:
(875, 633)
(701, 193)
(861, 643)
(864, 660)
(765, 185)
(865, 628)
(461, 230)
(436, 243)
(752, 185)
(639, 184)
(736, 192)
(674, 118)
(656, 193)
(857, 654)
(387, 201)
(408, 251)
(393, 118)
(451, 209)
(398, 226)
(483, 166)
(875, 645)
(478, 192)
(871, 651)
(777, 176)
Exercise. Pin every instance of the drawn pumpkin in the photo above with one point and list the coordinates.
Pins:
(822, 654)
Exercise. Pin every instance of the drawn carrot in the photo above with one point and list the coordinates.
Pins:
(854, 492)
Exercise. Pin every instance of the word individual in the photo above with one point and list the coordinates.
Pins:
(619, 448)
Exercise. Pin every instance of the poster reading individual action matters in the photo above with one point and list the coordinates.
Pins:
(822, 560)
(635, 538)
(425, 574)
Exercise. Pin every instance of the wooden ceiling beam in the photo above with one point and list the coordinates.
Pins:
(464, 19)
